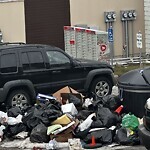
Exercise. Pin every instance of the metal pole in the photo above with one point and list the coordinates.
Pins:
(126, 38)
(123, 39)
(113, 53)
(132, 40)
(140, 58)
(106, 26)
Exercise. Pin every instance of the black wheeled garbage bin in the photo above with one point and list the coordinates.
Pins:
(134, 87)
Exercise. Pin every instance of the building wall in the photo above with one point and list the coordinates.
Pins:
(91, 12)
(147, 25)
(12, 21)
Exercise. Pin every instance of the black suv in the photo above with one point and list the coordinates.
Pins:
(29, 69)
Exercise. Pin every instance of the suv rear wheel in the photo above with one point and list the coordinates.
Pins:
(101, 86)
(18, 98)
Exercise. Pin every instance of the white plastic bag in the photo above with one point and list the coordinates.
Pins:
(69, 108)
(3, 117)
(86, 123)
(13, 121)
(88, 101)
(115, 90)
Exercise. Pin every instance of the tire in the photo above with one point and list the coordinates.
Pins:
(18, 98)
(101, 87)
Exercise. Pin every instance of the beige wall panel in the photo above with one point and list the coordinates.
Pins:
(12, 21)
(91, 12)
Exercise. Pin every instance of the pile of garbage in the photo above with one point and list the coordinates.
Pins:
(68, 116)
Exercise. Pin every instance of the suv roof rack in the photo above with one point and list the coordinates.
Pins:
(13, 43)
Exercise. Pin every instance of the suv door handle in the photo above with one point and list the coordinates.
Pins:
(56, 71)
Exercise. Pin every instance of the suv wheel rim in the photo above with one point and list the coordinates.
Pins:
(19, 100)
(102, 88)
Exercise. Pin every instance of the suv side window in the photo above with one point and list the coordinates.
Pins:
(58, 59)
(32, 60)
(8, 63)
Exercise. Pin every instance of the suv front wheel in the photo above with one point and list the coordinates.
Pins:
(18, 98)
(101, 86)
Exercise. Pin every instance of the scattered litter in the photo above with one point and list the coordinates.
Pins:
(87, 102)
(22, 135)
(51, 129)
(68, 120)
(75, 144)
(70, 109)
(2, 127)
(115, 90)
(3, 117)
(63, 120)
(130, 121)
(13, 121)
(86, 123)
(52, 145)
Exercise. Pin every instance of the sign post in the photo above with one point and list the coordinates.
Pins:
(139, 45)
(110, 39)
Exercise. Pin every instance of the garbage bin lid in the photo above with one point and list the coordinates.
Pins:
(133, 78)
(146, 75)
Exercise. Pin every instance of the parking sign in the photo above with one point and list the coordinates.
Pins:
(110, 35)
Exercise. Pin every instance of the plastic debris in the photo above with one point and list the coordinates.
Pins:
(86, 123)
(75, 144)
(2, 127)
(130, 121)
(52, 145)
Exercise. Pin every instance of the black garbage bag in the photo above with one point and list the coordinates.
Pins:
(14, 111)
(96, 104)
(81, 134)
(49, 112)
(97, 124)
(30, 119)
(75, 100)
(39, 134)
(122, 137)
(104, 136)
(37, 116)
(112, 102)
(83, 114)
(52, 104)
(49, 115)
(12, 130)
(107, 117)
(25, 109)
(43, 113)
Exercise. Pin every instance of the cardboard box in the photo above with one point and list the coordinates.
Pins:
(65, 97)
(67, 89)
(63, 120)
(64, 133)
(63, 136)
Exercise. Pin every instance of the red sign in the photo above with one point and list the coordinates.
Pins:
(72, 42)
(103, 47)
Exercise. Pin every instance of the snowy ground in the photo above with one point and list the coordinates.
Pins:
(27, 145)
